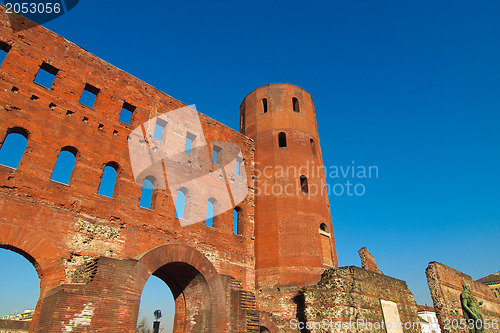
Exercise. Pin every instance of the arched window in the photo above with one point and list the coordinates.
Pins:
(236, 221)
(147, 197)
(295, 103)
(304, 187)
(282, 140)
(64, 165)
(313, 146)
(326, 244)
(13, 147)
(210, 212)
(108, 180)
(264, 105)
(180, 203)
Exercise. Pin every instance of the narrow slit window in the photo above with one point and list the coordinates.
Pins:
(236, 221)
(264, 105)
(46, 75)
(242, 125)
(147, 193)
(210, 213)
(13, 148)
(215, 153)
(108, 180)
(159, 129)
(282, 139)
(304, 187)
(126, 113)
(64, 165)
(180, 204)
(89, 95)
(189, 142)
(313, 146)
(295, 102)
(4, 49)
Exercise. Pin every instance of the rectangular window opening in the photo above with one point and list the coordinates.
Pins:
(46, 75)
(239, 161)
(215, 152)
(159, 129)
(126, 113)
(89, 95)
(189, 142)
(4, 49)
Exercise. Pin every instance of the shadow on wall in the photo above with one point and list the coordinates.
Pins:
(300, 300)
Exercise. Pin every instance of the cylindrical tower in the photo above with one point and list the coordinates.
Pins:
(294, 240)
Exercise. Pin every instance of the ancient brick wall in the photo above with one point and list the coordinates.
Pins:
(344, 296)
(445, 284)
(65, 229)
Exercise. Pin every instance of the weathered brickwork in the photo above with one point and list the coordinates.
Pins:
(342, 297)
(445, 284)
(94, 254)
(368, 261)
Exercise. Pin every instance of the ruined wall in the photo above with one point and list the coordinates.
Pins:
(62, 228)
(344, 295)
(368, 261)
(445, 284)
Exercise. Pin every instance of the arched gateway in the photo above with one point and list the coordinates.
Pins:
(195, 284)
(42, 255)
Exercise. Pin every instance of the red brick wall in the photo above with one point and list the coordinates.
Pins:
(72, 224)
(288, 240)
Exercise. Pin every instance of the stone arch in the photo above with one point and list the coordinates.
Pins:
(197, 287)
(42, 255)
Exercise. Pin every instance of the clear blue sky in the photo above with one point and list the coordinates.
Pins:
(412, 87)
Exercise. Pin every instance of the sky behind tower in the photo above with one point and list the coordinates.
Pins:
(410, 87)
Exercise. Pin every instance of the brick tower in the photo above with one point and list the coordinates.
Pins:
(293, 228)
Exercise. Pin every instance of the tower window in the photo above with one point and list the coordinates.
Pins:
(89, 95)
(64, 165)
(313, 146)
(264, 105)
(126, 113)
(13, 147)
(304, 187)
(295, 103)
(4, 49)
(46, 75)
(324, 229)
(282, 139)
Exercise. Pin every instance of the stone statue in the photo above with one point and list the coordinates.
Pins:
(470, 308)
